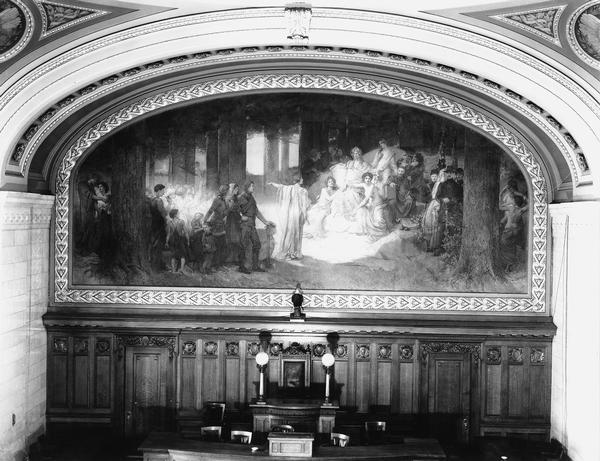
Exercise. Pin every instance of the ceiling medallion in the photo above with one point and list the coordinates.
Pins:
(584, 33)
(16, 25)
(542, 22)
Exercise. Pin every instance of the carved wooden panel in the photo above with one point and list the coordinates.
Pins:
(146, 390)
(58, 376)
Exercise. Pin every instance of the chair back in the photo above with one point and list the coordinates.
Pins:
(339, 440)
(282, 428)
(375, 432)
(241, 437)
(211, 433)
(375, 426)
(214, 412)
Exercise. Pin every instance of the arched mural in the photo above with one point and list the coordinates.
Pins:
(274, 154)
(337, 192)
(12, 25)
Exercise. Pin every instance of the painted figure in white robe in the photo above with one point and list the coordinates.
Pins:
(293, 203)
(349, 177)
(319, 212)
(372, 214)
(384, 163)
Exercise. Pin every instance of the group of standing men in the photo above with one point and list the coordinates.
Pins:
(226, 233)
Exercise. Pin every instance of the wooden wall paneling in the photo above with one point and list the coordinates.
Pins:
(383, 363)
(58, 366)
(406, 380)
(504, 389)
(187, 374)
(210, 371)
(351, 399)
(252, 377)
(232, 374)
(318, 371)
(539, 366)
(81, 372)
(445, 384)
(243, 391)
(221, 371)
(372, 373)
(273, 372)
(492, 366)
(178, 353)
(362, 354)
(199, 373)
(395, 380)
(474, 415)
(516, 381)
(341, 376)
(103, 381)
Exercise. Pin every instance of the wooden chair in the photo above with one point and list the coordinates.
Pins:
(241, 437)
(214, 412)
(211, 433)
(282, 428)
(375, 432)
(339, 440)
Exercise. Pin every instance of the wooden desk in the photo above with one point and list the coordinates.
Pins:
(161, 446)
(304, 415)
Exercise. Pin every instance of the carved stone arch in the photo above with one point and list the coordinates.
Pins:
(534, 302)
(340, 47)
(551, 140)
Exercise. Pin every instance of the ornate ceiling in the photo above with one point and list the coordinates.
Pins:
(39, 36)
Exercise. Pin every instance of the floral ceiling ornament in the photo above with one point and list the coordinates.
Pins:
(584, 33)
(542, 22)
(60, 16)
(298, 16)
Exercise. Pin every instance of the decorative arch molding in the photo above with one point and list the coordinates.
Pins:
(533, 302)
(582, 135)
(52, 116)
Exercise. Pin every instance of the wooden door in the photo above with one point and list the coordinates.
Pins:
(146, 393)
(448, 395)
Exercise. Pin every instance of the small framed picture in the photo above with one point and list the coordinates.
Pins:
(294, 374)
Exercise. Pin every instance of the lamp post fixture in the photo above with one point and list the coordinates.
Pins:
(327, 360)
(262, 358)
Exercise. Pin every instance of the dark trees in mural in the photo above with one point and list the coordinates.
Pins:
(332, 191)
(479, 252)
(130, 208)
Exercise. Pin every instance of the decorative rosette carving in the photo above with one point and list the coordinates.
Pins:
(232, 349)
(189, 348)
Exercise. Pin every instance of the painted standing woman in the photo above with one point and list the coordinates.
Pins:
(293, 206)
(322, 209)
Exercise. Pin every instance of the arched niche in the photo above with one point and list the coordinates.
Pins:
(530, 300)
(468, 63)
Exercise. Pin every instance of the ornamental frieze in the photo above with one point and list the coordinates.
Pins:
(145, 341)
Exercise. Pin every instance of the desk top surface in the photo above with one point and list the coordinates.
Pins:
(422, 449)
(294, 404)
